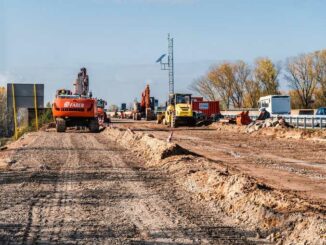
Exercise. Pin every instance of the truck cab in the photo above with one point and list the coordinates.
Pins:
(276, 104)
(179, 110)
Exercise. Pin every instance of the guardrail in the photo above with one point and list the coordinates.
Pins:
(313, 122)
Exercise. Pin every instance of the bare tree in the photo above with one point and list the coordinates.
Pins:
(320, 69)
(302, 78)
(252, 93)
(205, 88)
(266, 74)
(222, 77)
(229, 81)
(241, 73)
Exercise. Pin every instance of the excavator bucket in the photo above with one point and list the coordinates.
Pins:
(243, 118)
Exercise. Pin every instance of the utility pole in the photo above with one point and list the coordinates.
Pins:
(169, 66)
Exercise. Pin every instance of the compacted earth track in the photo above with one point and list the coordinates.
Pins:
(81, 188)
(286, 164)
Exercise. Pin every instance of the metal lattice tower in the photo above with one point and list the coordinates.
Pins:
(169, 66)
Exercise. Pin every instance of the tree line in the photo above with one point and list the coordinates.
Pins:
(239, 85)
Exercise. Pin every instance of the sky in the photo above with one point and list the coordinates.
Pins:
(118, 41)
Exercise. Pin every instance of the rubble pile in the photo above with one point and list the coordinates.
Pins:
(268, 123)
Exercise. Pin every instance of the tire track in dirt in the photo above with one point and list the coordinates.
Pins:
(43, 206)
(156, 217)
(85, 189)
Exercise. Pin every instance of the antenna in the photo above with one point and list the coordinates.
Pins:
(169, 66)
(160, 59)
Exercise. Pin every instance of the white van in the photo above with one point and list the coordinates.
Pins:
(276, 104)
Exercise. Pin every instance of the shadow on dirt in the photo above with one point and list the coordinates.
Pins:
(129, 234)
(51, 177)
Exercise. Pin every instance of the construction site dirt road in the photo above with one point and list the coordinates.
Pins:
(286, 164)
(82, 188)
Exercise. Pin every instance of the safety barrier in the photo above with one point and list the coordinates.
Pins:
(302, 121)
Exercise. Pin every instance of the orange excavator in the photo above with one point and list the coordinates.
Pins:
(144, 109)
(76, 109)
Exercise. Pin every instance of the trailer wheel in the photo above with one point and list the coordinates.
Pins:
(60, 124)
(94, 126)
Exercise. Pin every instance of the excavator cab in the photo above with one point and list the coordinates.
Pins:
(179, 111)
(101, 103)
(101, 113)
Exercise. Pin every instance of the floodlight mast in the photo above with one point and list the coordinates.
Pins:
(169, 66)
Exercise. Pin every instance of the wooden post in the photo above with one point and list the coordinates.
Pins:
(14, 109)
(35, 106)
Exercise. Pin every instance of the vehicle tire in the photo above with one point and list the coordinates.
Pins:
(159, 119)
(60, 124)
(106, 119)
(173, 121)
(94, 126)
(193, 122)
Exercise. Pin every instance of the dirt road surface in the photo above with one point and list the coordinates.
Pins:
(81, 188)
(285, 164)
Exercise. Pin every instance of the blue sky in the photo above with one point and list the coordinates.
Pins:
(47, 41)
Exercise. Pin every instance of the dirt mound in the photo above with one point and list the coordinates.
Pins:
(145, 144)
(276, 216)
(233, 128)
(294, 133)
(276, 132)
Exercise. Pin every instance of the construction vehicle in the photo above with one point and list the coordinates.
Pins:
(276, 104)
(101, 113)
(76, 109)
(179, 111)
(144, 109)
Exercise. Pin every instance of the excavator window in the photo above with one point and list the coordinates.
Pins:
(101, 103)
(63, 92)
